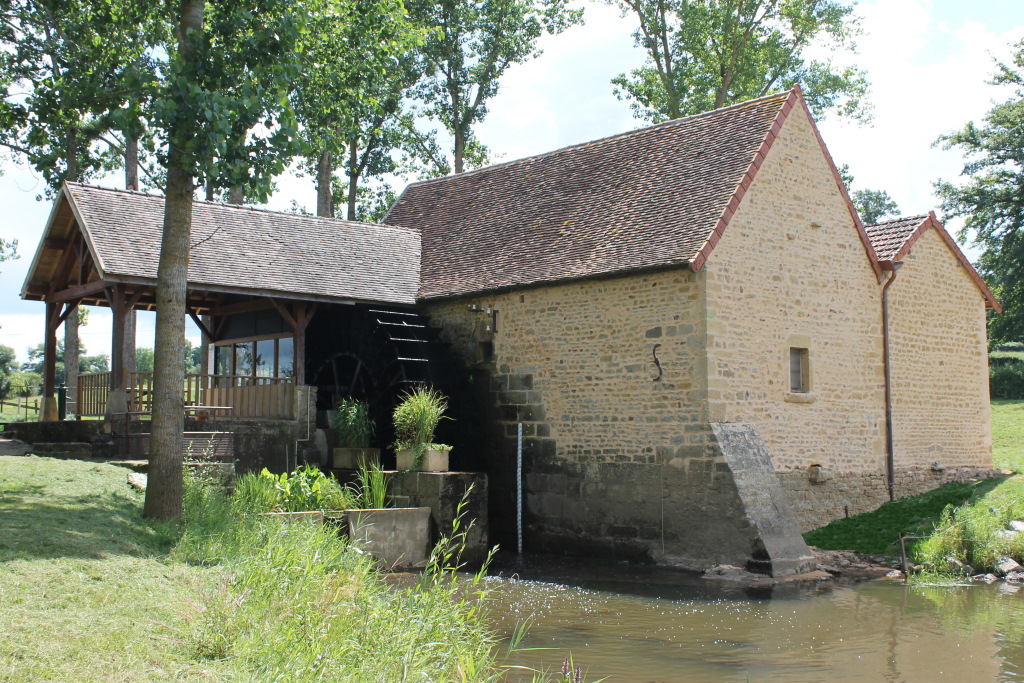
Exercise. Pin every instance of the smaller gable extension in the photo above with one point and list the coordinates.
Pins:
(892, 241)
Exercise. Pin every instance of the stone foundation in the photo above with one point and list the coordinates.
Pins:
(844, 494)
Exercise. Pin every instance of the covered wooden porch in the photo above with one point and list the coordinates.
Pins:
(256, 279)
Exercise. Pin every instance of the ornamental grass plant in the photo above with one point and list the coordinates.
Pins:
(296, 603)
(416, 418)
(352, 423)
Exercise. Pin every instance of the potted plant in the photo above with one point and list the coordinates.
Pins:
(415, 420)
(352, 424)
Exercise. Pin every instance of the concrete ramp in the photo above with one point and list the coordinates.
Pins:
(779, 548)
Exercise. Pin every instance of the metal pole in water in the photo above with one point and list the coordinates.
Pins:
(519, 489)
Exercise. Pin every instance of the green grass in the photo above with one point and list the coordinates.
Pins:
(959, 520)
(89, 591)
(1008, 435)
(86, 590)
(877, 532)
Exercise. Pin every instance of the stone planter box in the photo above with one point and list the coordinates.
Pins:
(433, 461)
(353, 458)
(397, 538)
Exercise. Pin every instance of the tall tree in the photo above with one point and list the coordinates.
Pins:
(872, 205)
(991, 198)
(707, 54)
(223, 96)
(357, 69)
(68, 69)
(470, 44)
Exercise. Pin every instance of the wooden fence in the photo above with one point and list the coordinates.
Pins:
(268, 397)
(93, 388)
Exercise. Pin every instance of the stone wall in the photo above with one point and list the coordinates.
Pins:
(815, 504)
(616, 381)
(792, 271)
(606, 377)
(939, 354)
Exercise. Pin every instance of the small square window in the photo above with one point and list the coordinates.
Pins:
(799, 370)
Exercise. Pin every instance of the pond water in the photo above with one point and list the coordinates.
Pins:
(640, 625)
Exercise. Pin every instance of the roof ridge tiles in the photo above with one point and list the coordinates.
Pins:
(241, 207)
(921, 217)
(783, 96)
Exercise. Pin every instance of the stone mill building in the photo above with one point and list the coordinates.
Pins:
(707, 350)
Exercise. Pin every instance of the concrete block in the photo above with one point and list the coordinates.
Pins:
(397, 538)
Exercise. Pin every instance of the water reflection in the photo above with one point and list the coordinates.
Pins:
(638, 625)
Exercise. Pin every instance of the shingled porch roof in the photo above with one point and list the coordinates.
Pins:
(236, 250)
(655, 197)
(893, 240)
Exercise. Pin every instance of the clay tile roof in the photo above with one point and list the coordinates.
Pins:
(893, 239)
(888, 238)
(241, 249)
(643, 199)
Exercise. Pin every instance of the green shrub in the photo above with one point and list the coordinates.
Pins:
(352, 423)
(306, 489)
(416, 419)
(1006, 380)
(974, 534)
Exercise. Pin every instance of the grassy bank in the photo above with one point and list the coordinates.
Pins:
(965, 521)
(89, 591)
(86, 589)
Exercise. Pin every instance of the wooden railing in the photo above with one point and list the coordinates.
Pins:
(269, 397)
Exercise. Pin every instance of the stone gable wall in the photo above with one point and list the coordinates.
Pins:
(939, 354)
(791, 271)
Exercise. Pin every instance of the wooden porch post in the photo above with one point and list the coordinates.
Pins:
(117, 400)
(300, 354)
(48, 412)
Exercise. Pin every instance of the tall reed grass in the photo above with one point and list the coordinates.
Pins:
(296, 603)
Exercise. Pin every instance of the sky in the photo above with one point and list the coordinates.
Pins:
(927, 60)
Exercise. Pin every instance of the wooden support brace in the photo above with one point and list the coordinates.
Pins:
(199, 323)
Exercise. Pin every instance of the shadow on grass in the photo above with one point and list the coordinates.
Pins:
(91, 527)
(878, 532)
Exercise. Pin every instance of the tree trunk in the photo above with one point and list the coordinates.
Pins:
(236, 195)
(353, 177)
(71, 154)
(131, 163)
(71, 355)
(166, 441)
(460, 149)
(324, 185)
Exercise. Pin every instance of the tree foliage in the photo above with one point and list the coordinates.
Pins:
(873, 206)
(469, 46)
(991, 198)
(707, 54)
(357, 68)
(86, 364)
(71, 73)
